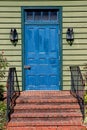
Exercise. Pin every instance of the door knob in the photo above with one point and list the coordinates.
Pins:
(27, 67)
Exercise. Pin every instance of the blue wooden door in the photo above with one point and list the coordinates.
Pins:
(43, 57)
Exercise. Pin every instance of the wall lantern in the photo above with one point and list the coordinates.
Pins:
(13, 36)
(70, 36)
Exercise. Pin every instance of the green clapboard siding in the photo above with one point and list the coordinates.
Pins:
(74, 15)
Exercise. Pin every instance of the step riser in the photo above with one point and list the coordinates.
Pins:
(62, 97)
(47, 103)
(49, 128)
(46, 97)
(45, 107)
(45, 115)
(39, 100)
(73, 122)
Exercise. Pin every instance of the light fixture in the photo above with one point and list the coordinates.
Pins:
(70, 36)
(13, 36)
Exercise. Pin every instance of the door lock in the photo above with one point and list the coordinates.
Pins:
(27, 67)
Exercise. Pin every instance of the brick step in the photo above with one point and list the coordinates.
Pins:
(55, 98)
(46, 115)
(45, 106)
(49, 128)
(45, 93)
(46, 101)
(47, 96)
(50, 119)
(46, 110)
(23, 123)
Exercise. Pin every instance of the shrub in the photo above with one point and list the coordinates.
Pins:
(1, 92)
(3, 65)
(2, 115)
(85, 98)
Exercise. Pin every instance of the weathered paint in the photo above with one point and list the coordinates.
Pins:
(74, 15)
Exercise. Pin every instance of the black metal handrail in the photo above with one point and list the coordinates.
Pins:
(77, 86)
(12, 91)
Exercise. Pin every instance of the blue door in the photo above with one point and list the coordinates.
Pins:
(42, 57)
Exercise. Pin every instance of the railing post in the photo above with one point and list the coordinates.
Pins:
(11, 91)
(77, 86)
(8, 102)
(8, 95)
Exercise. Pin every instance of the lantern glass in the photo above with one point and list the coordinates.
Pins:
(14, 36)
(70, 36)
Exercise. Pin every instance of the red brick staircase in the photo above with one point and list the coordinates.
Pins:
(46, 110)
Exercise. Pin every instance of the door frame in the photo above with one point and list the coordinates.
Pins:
(60, 38)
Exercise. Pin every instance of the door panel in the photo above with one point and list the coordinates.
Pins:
(42, 55)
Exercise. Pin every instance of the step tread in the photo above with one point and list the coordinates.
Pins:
(40, 93)
(46, 94)
(68, 110)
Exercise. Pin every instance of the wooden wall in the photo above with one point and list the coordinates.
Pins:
(74, 15)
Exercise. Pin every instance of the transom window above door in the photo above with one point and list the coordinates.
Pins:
(38, 15)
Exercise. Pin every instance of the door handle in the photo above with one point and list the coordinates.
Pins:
(27, 67)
